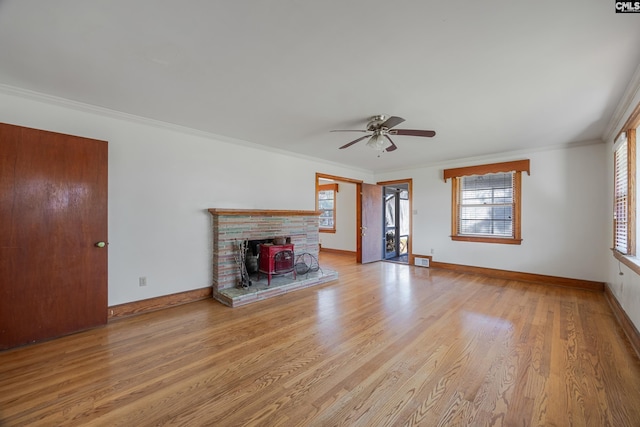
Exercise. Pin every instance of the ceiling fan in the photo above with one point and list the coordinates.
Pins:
(379, 129)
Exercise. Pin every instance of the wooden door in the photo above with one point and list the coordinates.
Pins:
(53, 211)
(371, 223)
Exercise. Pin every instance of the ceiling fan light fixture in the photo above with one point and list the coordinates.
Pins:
(376, 142)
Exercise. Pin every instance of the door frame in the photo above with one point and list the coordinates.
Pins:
(358, 184)
(409, 182)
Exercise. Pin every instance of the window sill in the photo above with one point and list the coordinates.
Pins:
(630, 261)
(485, 239)
(326, 230)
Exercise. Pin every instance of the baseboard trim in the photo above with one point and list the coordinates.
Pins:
(337, 251)
(523, 277)
(623, 320)
(158, 303)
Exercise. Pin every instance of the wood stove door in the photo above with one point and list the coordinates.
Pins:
(371, 223)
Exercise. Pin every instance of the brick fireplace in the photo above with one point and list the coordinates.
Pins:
(231, 226)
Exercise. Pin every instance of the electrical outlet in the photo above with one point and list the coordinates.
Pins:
(142, 281)
(433, 251)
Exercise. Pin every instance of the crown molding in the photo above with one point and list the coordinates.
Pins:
(119, 115)
(626, 102)
(494, 157)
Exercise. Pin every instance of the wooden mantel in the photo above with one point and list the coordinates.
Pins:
(261, 212)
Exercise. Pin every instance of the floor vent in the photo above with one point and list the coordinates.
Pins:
(422, 262)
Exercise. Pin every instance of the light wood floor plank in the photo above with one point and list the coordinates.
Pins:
(385, 345)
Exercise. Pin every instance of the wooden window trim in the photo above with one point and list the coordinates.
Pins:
(517, 167)
(325, 187)
(631, 167)
(504, 167)
(627, 260)
(479, 239)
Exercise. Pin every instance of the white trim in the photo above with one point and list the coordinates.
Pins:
(88, 108)
(506, 155)
(626, 101)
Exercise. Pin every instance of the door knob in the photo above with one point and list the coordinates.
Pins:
(100, 244)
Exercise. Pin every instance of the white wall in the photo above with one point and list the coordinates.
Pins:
(625, 287)
(162, 180)
(563, 211)
(345, 236)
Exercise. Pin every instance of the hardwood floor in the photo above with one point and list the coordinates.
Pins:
(386, 344)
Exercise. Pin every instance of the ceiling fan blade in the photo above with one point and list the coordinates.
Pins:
(348, 130)
(413, 132)
(393, 146)
(391, 122)
(353, 142)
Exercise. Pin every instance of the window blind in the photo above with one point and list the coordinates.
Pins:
(486, 205)
(621, 199)
(326, 205)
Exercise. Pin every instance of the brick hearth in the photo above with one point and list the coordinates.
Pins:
(231, 226)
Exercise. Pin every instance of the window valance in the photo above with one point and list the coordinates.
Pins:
(515, 166)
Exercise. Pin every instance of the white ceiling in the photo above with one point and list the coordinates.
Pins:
(488, 76)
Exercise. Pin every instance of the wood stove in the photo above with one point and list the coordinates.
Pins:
(276, 259)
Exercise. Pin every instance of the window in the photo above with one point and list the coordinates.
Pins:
(624, 195)
(327, 207)
(624, 192)
(623, 222)
(486, 202)
(486, 205)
